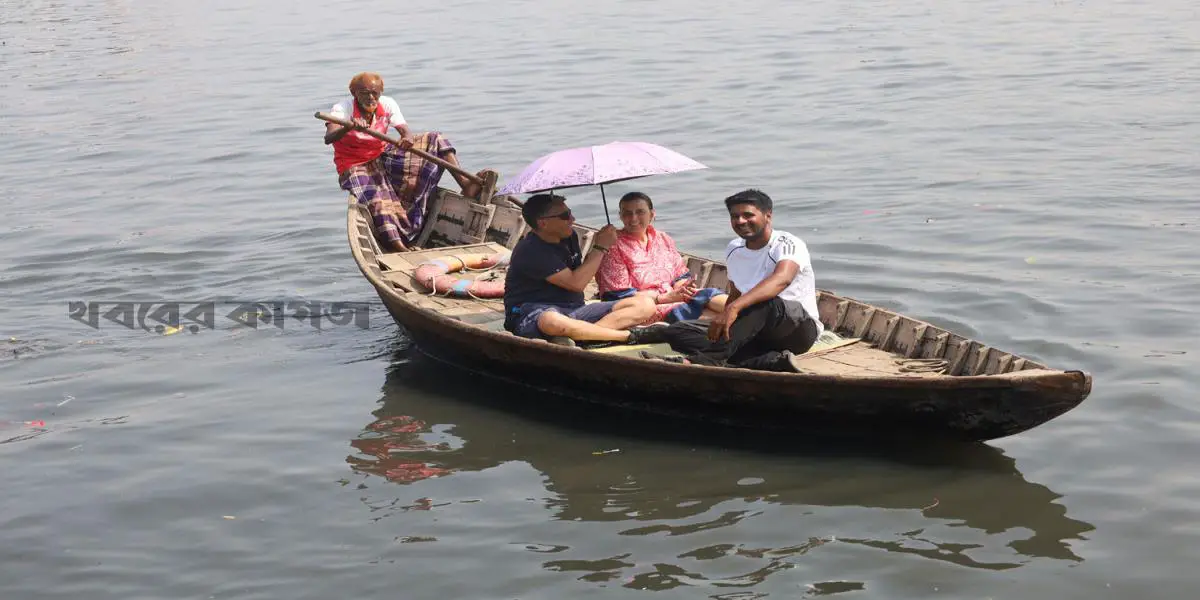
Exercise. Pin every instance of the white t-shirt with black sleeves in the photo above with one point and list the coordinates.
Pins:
(747, 268)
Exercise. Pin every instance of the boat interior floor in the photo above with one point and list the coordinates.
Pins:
(830, 355)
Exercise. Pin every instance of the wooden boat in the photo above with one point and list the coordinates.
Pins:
(883, 375)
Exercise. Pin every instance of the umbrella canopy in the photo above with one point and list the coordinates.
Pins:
(592, 165)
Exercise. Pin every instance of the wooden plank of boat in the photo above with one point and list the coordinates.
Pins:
(882, 375)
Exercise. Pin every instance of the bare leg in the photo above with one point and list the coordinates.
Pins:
(611, 328)
(717, 303)
(555, 324)
(470, 189)
(628, 312)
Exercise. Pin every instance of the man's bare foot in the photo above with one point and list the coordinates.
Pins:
(471, 190)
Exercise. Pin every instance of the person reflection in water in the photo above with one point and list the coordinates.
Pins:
(431, 425)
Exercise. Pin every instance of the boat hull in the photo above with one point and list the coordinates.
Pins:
(949, 408)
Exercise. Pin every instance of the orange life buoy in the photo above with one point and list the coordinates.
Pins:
(433, 275)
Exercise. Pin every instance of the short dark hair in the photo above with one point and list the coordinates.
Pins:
(634, 197)
(535, 207)
(758, 198)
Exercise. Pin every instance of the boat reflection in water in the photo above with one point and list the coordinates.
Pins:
(676, 479)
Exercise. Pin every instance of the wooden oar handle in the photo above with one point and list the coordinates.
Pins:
(387, 138)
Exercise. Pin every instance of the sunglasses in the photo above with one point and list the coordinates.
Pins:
(565, 215)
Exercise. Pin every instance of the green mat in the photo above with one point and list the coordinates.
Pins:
(634, 351)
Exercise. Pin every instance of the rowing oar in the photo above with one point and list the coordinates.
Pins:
(387, 138)
(487, 185)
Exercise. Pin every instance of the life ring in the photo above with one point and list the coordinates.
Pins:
(433, 275)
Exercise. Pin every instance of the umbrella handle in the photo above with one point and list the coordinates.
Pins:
(605, 201)
(387, 138)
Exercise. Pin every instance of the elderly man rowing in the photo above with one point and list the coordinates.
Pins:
(394, 184)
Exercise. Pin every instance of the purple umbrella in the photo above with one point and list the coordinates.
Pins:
(592, 165)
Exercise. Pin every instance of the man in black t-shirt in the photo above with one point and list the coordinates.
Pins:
(543, 291)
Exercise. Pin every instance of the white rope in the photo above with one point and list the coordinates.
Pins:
(433, 278)
(483, 299)
(922, 365)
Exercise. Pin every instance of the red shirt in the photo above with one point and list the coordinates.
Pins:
(356, 147)
(628, 264)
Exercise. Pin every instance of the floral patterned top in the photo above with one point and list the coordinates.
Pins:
(655, 266)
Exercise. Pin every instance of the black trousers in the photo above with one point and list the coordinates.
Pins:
(756, 340)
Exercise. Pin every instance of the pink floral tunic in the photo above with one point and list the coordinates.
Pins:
(654, 266)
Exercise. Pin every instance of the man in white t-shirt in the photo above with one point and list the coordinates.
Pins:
(771, 314)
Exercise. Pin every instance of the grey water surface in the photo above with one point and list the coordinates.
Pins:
(1023, 172)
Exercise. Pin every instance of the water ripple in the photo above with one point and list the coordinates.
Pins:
(1024, 174)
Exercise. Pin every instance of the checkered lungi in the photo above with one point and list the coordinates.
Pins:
(397, 185)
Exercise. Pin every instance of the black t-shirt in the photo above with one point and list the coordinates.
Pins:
(532, 261)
